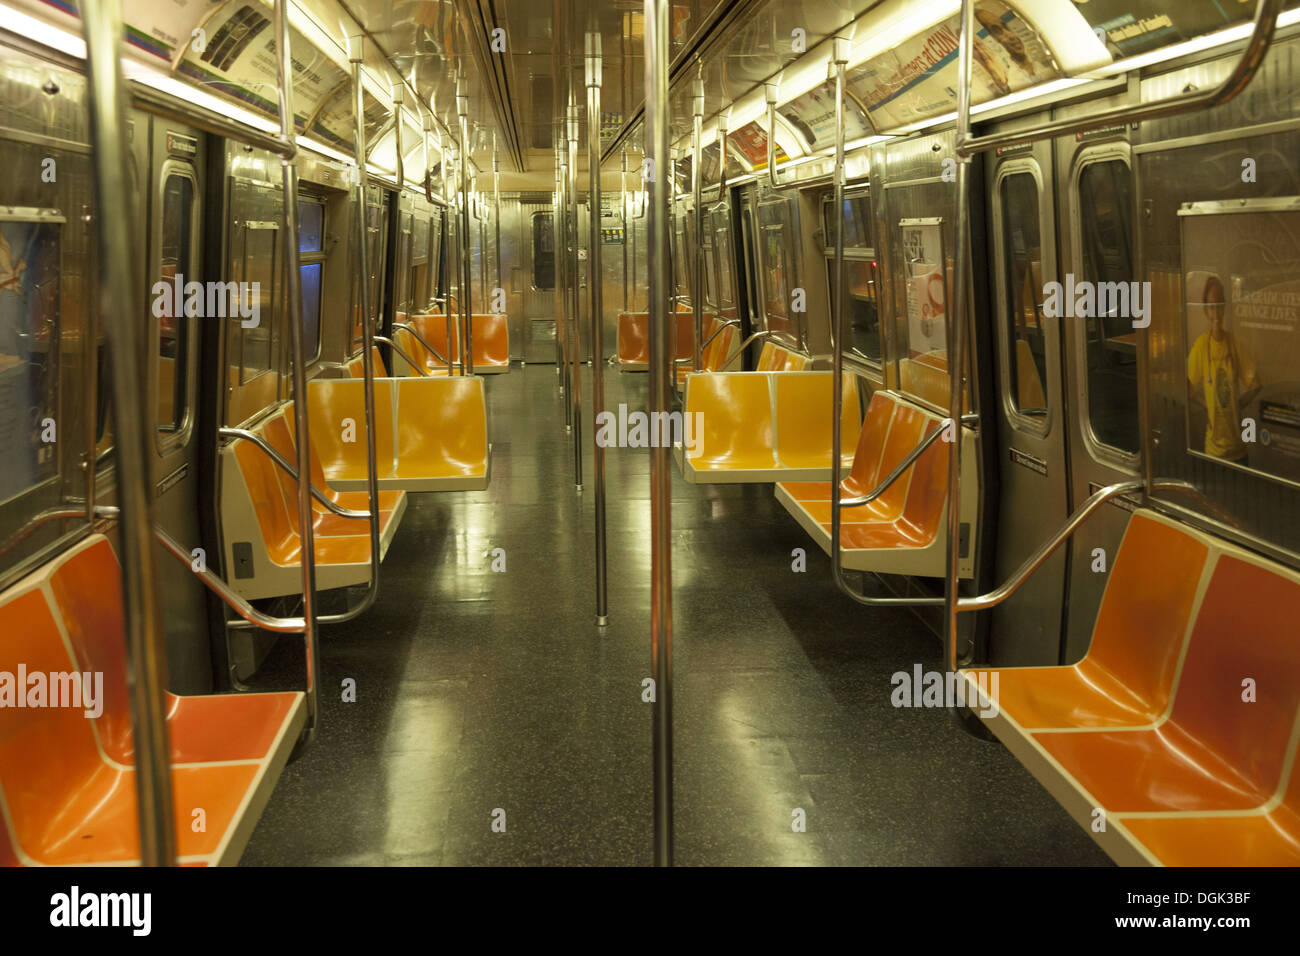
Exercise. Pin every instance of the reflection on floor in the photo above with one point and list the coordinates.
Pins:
(478, 690)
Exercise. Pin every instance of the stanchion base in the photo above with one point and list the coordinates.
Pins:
(602, 620)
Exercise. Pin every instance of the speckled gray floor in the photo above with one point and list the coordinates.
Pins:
(479, 691)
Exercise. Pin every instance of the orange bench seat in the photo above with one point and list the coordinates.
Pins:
(900, 532)
(66, 780)
(1155, 726)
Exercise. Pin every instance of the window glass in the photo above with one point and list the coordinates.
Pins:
(311, 279)
(173, 329)
(311, 226)
(726, 269)
(860, 300)
(857, 223)
(29, 351)
(776, 278)
(1106, 247)
(543, 252)
(1022, 277)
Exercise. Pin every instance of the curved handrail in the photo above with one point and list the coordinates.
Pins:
(421, 339)
(1263, 27)
(215, 584)
(261, 443)
(385, 340)
(740, 350)
(770, 89)
(906, 463)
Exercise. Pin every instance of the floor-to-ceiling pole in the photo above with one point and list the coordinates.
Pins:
(595, 285)
(466, 303)
(146, 660)
(661, 381)
(575, 298)
(697, 217)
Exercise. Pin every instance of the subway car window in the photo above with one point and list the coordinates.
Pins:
(30, 243)
(177, 240)
(543, 252)
(1022, 282)
(311, 258)
(860, 274)
(1106, 244)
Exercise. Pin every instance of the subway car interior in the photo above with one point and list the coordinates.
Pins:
(740, 433)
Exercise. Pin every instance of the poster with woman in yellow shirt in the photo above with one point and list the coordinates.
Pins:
(1221, 378)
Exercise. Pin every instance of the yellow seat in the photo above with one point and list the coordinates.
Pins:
(901, 531)
(430, 433)
(337, 418)
(441, 434)
(735, 410)
(803, 427)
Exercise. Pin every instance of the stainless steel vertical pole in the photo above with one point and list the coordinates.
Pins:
(622, 181)
(595, 285)
(466, 301)
(661, 381)
(146, 654)
(562, 285)
(575, 297)
(496, 214)
(297, 342)
(957, 322)
(697, 216)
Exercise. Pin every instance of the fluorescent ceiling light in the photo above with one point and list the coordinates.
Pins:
(50, 36)
(329, 152)
(165, 83)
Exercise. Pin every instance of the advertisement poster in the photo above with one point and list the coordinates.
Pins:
(918, 79)
(29, 310)
(1241, 326)
(926, 285)
(751, 141)
(162, 28)
(813, 115)
(1128, 27)
(239, 60)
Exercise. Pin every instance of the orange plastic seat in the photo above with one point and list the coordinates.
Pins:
(736, 412)
(1180, 722)
(898, 532)
(67, 782)
(491, 343)
(430, 433)
(1126, 678)
(803, 428)
(441, 441)
(633, 347)
(259, 508)
(1214, 751)
(757, 428)
(279, 436)
(356, 368)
